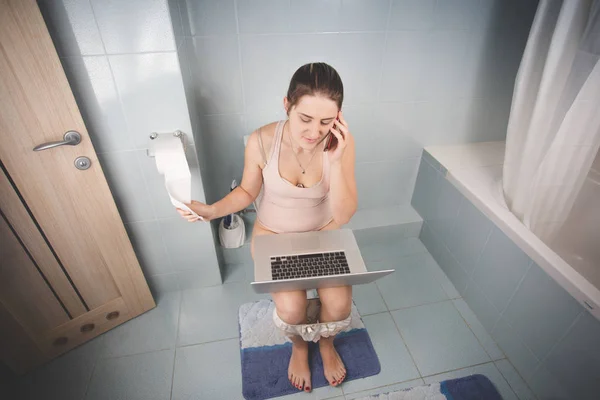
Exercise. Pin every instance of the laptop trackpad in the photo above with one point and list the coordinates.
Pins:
(306, 243)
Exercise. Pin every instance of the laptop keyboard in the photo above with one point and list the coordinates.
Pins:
(309, 265)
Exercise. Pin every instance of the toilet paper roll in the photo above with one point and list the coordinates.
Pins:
(171, 162)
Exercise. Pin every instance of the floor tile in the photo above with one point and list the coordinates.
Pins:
(412, 284)
(396, 363)
(386, 389)
(368, 300)
(155, 330)
(321, 393)
(439, 274)
(65, 378)
(521, 357)
(438, 338)
(482, 335)
(209, 314)
(140, 377)
(208, 371)
(489, 370)
(238, 273)
(515, 381)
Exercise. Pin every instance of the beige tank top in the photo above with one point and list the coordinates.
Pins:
(284, 207)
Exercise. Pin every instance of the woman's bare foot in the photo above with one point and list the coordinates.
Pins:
(298, 370)
(333, 366)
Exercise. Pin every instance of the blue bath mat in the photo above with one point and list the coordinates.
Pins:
(266, 352)
(473, 387)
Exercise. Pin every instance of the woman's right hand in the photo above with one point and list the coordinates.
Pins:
(205, 211)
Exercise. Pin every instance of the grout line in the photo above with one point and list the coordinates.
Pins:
(489, 235)
(577, 318)
(519, 374)
(239, 51)
(406, 345)
(458, 369)
(514, 293)
(89, 382)
(176, 341)
(209, 342)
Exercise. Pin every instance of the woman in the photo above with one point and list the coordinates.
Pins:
(304, 188)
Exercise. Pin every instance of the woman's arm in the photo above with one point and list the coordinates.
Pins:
(344, 200)
(242, 196)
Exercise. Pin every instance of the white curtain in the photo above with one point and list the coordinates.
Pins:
(554, 126)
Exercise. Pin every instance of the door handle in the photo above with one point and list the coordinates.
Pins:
(71, 138)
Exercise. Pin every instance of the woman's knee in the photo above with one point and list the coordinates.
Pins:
(291, 306)
(336, 303)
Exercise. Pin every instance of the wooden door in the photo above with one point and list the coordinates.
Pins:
(67, 268)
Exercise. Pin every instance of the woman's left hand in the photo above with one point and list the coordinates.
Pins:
(341, 132)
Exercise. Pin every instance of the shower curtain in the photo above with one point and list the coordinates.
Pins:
(554, 125)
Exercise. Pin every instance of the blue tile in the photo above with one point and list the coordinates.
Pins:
(217, 79)
(72, 26)
(426, 189)
(402, 70)
(438, 338)
(431, 160)
(548, 386)
(471, 232)
(489, 370)
(515, 349)
(152, 94)
(357, 15)
(392, 250)
(127, 185)
(140, 377)
(238, 273)
(456, 14)
(207, 17)
(263, 16)
(221, 378)
(413, 284)
(314, 15)
(393, 186)
(411, 14)
(190, 247)
(201, 322)
(478, 329)
(94, 89)
(438, 273)
(501, 267)
(445, 215)
(386, 389)
(396, 363)
(576, 360)
(481, 306)
(515, 381)
(134, 26)
(451, 267)
(163, 283)
(379, 234)
(361, 79)
(149, 247)
(368, 300)
(541, 311)
(65, 377)
(152, 331)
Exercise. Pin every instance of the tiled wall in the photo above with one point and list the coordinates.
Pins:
(416, 73)
(547, 335)
(121, 61)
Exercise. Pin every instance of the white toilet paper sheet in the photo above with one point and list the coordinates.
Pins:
(171, 162)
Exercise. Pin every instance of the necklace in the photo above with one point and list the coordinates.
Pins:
(296, 156)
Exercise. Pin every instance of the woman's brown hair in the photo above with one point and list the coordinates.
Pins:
(316, 79)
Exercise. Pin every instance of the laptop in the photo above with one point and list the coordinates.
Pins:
(311, 260)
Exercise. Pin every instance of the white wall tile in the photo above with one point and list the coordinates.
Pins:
(360, 15)
(151, 90)
(314, 15)
(94, 89)
(263, 16)
(456, 14)
(388, 183)
(72, 26)
(208, 17)
(217, 80)
(134, 26)
(411, 14)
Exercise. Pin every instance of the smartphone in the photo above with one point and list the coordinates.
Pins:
(331, 141)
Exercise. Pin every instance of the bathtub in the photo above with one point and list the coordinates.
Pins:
(476, 171)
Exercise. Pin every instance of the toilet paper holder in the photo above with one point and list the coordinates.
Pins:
(154, 135)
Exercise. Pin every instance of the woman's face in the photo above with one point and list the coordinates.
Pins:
(310, 119)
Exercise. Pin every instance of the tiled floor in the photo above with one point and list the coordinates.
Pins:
(187, 348)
